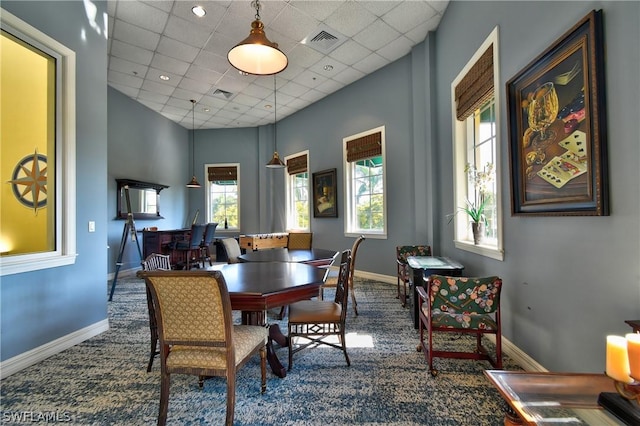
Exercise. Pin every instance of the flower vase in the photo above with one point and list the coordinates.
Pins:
(478, 232)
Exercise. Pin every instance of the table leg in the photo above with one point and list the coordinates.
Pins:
(276, 335)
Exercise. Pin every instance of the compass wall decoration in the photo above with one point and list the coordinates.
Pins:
(29, 181)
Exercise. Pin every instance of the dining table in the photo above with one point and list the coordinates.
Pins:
(255, 287)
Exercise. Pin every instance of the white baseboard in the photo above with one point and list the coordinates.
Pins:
(33, 356)
(376, 277)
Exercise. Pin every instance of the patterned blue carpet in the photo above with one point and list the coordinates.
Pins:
(103, 381)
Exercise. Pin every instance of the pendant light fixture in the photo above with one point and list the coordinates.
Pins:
(256, 54)
(276, 162)
(193, 183)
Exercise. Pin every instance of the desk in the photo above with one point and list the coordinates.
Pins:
(256, 287)
(553, 398)
(159, 241)
(421, 268)
(315, 257)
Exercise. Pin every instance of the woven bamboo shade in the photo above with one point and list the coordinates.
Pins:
(222, 173)
(297, 164)
(365, 147)
(476, 87)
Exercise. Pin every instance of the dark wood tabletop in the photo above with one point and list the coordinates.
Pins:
(314, 256)
(258, 286)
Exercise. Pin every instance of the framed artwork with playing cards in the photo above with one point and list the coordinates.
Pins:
(557, 127)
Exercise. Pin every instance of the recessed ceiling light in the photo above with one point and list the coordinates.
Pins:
(268, 106)
(206, 109)
(198, 11)
(328, 67)
(164, 77)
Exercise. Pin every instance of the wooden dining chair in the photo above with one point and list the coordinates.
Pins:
(154, 262)
(463, 305)
(205, 246)
(403, 269)
(312, 321)
(232, 250)
(197, 333)
(189, 250)
(331, 278)
(299, 240)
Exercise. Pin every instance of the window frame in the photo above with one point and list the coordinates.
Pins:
(350, 213)
(291, 203)
(462, 234)
(65, 153)
(221, 227)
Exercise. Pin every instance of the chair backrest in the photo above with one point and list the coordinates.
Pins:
(209, 233)
(402, 252)
(457, 295)
(157, 262)
(192, 308)
(354, 252)
(197, 234)
(232, 248)
(300, 240)
(342, 287)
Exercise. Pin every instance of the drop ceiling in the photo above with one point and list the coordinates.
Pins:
(330, 44)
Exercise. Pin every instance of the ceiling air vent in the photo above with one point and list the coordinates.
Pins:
(222, 94)
(324, 39)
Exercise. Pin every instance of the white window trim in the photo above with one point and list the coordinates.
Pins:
(349, 230)
(65, 202)
(459, 157)
(220, 228)
(288, 191)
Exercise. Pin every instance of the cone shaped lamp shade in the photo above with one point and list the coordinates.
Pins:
(193, 183)
(276, 162)
(256, 54)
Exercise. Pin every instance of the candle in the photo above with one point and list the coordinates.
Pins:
(633, 348)
(618, 359)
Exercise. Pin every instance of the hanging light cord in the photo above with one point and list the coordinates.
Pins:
(193, 136)
(275, 118)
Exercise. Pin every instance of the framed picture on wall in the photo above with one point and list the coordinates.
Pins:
(325, 202)
(557, 127)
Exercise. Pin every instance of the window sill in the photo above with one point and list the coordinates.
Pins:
(373, 236)
(483, 250)
(34, 262)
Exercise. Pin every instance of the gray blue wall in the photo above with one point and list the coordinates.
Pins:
(39, 307)
(569, 281)
(152, 149)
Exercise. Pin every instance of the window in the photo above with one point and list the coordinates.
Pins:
(365, 189)
(223, 195)
(297, 190)
(40, 196)
(476, 152)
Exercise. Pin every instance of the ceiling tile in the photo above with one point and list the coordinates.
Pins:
(136, 36)
(131, 53)
(149, 38)
(142, 15)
